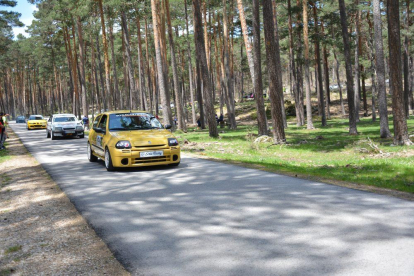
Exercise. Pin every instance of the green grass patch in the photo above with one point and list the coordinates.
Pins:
(4, 154)
(4, 180)
(6, 272)
(13, 249)
(327, 153)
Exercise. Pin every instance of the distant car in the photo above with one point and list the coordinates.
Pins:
(64, 125)
(334, 87)
(131, 139)
(20, 120)
(36, 122)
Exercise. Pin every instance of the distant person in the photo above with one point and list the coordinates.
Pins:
(85, 121)
(2, 132)
(221, 118)
(6, 124)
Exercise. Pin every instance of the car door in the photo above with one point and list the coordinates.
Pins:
(99, 140)
(49, 124)
(92, 133)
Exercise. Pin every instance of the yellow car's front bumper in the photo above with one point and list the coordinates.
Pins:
(36, 126)
(131, 158)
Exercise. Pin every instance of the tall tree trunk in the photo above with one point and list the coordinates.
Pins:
(300, 62)
(326, 74)
(142, 87)
(162, 80)
(190, 68)
(394, 41)
(274, 73)
(228, 78)
(257, 70)
(356, 65)
(348, 66)
(295, 86)
(115, 74)
(309, 121)
(407, 106)
(364, 92)
(108, 93)
(339, 85)
(201, 56)
(277, 56)
(318, 66)
(82, 66)
(380, 69)
(148, 67)
(247, 43)
(133, 93)
(178, 99)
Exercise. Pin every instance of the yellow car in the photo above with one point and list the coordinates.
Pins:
(131, 139)
(36, 122)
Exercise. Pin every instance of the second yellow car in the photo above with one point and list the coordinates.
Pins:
(36, 122)
(131, 139)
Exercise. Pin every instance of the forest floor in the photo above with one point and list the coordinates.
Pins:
(41, 232)
(328, 154)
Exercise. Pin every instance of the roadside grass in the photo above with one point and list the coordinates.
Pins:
(4, 154)
(12, 249)
(327, 153)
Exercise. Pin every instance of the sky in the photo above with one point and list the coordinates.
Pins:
(26, 9)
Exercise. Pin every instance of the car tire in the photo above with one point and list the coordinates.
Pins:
(108, 161)
(53, 136)
(82, 136)
(47, 134)
(91, 157)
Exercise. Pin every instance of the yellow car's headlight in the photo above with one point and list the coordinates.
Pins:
(123, 145)
(172, 142)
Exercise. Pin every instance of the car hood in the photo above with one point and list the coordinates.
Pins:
(36, 121)
(144, 137)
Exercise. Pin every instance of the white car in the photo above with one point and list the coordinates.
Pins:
(64, 125)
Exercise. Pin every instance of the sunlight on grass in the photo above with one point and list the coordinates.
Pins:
(328, 153)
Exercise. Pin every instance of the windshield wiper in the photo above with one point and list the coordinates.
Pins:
(119, 128)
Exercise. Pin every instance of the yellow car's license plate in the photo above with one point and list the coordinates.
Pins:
(145, 154)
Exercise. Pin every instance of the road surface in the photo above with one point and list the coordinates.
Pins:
(208, 218)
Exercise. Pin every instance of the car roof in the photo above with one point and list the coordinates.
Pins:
(36, 115)
(124, 111)
(63, 115)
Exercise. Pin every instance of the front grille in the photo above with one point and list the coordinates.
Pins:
(69, 128)
(156, 159)
(149, 146)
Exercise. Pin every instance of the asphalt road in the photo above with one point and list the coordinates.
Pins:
(208, 218)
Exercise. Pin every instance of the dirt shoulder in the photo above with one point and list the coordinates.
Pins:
(41, 232)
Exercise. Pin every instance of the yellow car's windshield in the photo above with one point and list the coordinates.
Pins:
(33, 117)
(133, 121)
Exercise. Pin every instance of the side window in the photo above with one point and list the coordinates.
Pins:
(95, 123)
(102, 123)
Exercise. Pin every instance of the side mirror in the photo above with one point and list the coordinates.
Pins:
(168, 126)
(99, 130)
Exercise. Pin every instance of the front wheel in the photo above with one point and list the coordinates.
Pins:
(91, 157)
(47, 134)
(82, 136)
(53, 136)
(108, 161)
